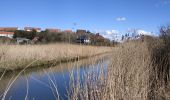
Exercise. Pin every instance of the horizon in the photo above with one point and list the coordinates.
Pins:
(108, 17)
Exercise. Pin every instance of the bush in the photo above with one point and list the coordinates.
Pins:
(49, 37)
(25, 34)
(6, 40)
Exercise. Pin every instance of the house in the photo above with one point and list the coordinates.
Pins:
(80, 31)
(29, 29)
(83, 39)
(23, 40)
(6, 34)
(68, 31)
(8, 29)
(52, 30)
(98, 36)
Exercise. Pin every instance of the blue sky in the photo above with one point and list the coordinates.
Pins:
(105, 16)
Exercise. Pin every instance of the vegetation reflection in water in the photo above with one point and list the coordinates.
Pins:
(52, 83)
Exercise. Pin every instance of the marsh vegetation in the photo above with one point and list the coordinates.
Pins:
(19, 56)
(136, 69)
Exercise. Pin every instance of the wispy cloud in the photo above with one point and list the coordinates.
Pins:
(110, 34)
(113, 34)
(162, 3)
(135, 32)
(143, 32)
(121, 19)
(166, 2)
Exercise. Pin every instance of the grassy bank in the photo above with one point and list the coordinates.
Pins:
(139, 71)
(14, 57)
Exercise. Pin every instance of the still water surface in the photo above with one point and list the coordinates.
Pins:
(41, 84)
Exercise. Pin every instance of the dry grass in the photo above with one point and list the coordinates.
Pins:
(139, 70)
(17, 56)
(134, 74)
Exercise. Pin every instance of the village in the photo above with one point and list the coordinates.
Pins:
(34, 35)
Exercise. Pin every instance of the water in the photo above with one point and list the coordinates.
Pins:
(42, 83)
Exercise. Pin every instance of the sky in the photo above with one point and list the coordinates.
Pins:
(109, 17)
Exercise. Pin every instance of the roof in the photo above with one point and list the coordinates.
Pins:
(68, 31)
(81, 30)
(8, 28)
(53, 30)
(1, 32)
(31, 28)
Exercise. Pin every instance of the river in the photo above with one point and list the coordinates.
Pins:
(51, 83)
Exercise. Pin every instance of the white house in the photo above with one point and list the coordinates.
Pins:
(32, 28)
(6, 34)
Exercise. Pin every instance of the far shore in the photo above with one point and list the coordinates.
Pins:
(18, 57)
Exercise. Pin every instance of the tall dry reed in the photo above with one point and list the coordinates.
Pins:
(138, 71)
(18, 56)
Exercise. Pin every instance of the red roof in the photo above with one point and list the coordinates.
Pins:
(1, 32)
(8, 28)
(31, 28)
(68, 31)
(53, 30)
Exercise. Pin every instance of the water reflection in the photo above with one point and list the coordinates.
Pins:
(46, 83)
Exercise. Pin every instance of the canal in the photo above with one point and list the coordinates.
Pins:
(53, 82)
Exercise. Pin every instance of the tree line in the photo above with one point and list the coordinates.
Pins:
(52, 37)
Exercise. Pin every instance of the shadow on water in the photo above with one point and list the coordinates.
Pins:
(51, 83)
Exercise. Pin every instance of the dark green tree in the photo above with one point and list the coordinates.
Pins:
(25, 34)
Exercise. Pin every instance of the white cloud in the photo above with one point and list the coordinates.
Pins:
(117, 35)
(135, 32)
(143, 32)
(110, 34)
(121, 19)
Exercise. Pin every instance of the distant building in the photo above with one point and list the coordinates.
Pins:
(80, 31)
(32, 28)
(68, 31)
(83, 39)
(52, 30)
(23, 41)
(8, 29)
(6, 34)
(98, 36)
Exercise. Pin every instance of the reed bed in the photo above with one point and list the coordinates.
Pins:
(138, 71)
(17, 56)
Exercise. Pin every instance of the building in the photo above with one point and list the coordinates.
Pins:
(52, 30)
(23, 41)
(29, 29)
(6, 34)
(8, 29)
(83, 39)
(98, 36)
(81, 32)
(68, 31)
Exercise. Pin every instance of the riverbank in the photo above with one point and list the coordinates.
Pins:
(14, 57)
(38, 77)
(139, 70)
